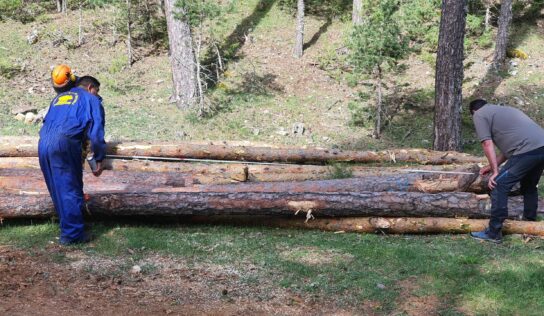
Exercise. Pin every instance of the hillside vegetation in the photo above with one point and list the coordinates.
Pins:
(264, 91)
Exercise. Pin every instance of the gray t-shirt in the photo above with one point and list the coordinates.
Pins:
(510, 129)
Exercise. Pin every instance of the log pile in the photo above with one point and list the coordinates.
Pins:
(395, 191)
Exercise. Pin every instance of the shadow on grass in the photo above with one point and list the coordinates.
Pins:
(322, 30)
(232, 44)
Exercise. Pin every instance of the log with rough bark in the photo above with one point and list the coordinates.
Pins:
(12, 147)
(399, 183)
(390, 204)
(273, 173)
(234, 173)
(449, 75)
(398, 225)
(32, 180)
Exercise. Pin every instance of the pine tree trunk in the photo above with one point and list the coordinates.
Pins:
(487, 16)
(59, 6)
(357, 17)
(449, 76)
(502, 34)
(80, 29)
(129, 34)
(148, 26)
(182, 56)
(378, 123)
(299, 41)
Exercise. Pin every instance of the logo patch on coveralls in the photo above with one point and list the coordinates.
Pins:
(68, 98)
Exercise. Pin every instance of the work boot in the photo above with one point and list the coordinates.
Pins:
(83, 240)
(487, 236)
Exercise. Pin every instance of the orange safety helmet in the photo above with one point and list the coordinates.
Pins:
(61, 76)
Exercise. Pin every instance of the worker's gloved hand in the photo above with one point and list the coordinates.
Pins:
(98, 170)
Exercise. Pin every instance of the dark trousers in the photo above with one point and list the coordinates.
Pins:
(526, 169)
(60, 161)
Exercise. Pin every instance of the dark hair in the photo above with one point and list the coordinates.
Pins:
(86, 81)
(477, 104)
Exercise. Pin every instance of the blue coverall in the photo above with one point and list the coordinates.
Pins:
(74, 116)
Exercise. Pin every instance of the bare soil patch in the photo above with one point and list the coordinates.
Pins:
(59, 280)
(409, 303)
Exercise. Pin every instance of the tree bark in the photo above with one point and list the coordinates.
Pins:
(27, 147)
(275, 173)
(449, 76)
(59, 6)
(502, 34)
(299, 36)
(398, 225)
(31, 180)
(129, 34)
(182, 56)
(390, 204)
(80, 29)
(231, 173)
(234, 173)
(357, 15)
(487, 16)
(397, 183)
(378, 123)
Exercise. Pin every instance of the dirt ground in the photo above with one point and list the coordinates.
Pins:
(58, 280)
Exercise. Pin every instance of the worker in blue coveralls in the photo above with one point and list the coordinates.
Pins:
(74, 116)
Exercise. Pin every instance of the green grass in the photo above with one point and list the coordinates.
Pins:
(464, 274)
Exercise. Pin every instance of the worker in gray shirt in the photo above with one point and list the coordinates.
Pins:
(521, 142)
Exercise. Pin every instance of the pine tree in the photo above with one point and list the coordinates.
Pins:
(449, 76)
(376, 45)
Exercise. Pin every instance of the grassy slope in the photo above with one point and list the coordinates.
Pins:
(466, 276)
(264, 92)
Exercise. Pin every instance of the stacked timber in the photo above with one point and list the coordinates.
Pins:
(401, 190)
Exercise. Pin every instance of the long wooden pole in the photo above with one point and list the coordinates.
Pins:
(25, 147)
(32, 180)
(387, 225)
(390, 204)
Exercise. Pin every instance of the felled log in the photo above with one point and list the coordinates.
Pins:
(390, 204)
(277, 173)
(233, 173)
(11, 147)
(19, 163)
(408, 183)
(285, 173)
(32, 180)
(205, 173)
(15, 180)
(398, 225)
